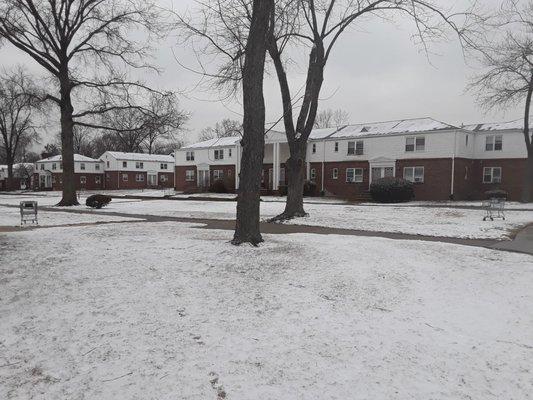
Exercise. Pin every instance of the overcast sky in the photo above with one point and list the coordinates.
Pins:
(376, 73)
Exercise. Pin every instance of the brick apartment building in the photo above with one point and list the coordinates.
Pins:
(88, 173)
(443, 161)
(137, 170)
(22, 175)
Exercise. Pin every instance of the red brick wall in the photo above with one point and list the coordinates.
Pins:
(229, 175)
(513, 171)
(437, 177)
(179, 178)
(339, 187)
(90, 181)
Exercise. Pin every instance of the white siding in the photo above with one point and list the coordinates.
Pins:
(514, 145)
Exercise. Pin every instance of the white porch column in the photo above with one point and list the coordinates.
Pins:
(275, 167)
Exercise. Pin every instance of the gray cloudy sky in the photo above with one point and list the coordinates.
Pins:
(376, 73)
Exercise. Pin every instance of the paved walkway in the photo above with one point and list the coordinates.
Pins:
(521, 243)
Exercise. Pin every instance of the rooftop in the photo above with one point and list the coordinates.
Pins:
(496, 126)
(77, 157)
(119, 155)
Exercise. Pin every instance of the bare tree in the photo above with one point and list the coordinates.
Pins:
(253, 140)
(225, 128)
(69, 38)
(317, 26)
(331, 118)
(19, 104)
(507, 78)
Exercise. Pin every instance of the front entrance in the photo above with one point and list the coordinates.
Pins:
(152, 180)
(382, 172)
(203, 179)
(381, 167)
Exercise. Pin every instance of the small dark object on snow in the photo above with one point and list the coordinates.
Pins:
(392, 190)
(97, 201)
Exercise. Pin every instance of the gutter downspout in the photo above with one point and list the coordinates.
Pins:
(323, 162)
(452, 191)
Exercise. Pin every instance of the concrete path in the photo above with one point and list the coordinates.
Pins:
(522, 242)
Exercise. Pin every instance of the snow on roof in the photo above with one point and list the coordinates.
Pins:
(119, 155)
(216, 142)
(496, 126)
(77, 157)
(392, 127)
(323, 133)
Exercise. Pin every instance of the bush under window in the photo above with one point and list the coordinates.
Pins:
(391, 190)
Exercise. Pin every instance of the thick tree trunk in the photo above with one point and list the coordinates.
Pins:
(9, 183)
(253, 141)
(296, 171)
(67, 143)
(527, 188)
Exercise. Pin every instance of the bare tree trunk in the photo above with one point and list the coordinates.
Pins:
(67, 143)
(527, 188)
(253, 141)
(296, 172)
(9, 162)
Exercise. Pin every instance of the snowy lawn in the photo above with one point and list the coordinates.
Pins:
(165, 311)
(10, 217)
(432, 221)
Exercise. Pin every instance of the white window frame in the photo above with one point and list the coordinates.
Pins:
(351, 146)
(124, 164)
(163, 166)
(412, 144)
(354, 178)
(163, 178)
(492, 169)
(189, 155)
(229, 153)
(219, 154)
(336, 147)
(313, 148)
(218, 174)
(412, 176)
(312, 174)
(335, 173)
(54, 166)
(494, 141)
(82, 166)
(139, 165)
(83, 180)
(139, 177)
(189, 175)
(97, 179)
(97, 167)
(359, 147)
(125, 177)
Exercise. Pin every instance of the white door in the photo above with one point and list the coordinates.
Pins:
(203, 179)
(381, 172)
(152, 180)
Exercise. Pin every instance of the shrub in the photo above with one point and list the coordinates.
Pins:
(496, 194)
(97, 201)
(219, 186)
(310, 188)
(391, 190)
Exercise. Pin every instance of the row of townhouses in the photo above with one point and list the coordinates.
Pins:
(113, 171)
(443, 161)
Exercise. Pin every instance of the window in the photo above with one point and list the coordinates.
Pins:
(335, 173)
(218, 173)
(107, 164)
(54, 166)
(139, 165)
(351, 148)
(163, 178)
(494, 143)
(83, 180)
(492, 175)
(97, 179)
(336, 147)
(124, 164)
(164, 166)
(355, 148)
(139, 177)
(466, 140)
(189, 175)
(415, 144)
(42, 167)
(312, 174)
(413, 174)
(82, 166)
(314, 148)
(354, 175)
(189, 156)
(97, 167)
(229, 153)
(219, 154)
(124, 177)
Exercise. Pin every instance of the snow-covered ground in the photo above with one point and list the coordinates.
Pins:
(432, 221)
(166, 311)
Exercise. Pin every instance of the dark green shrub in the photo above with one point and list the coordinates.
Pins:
(219, 186)
(391, 190)
(496, 194)
(310, 189)
(97, 201)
